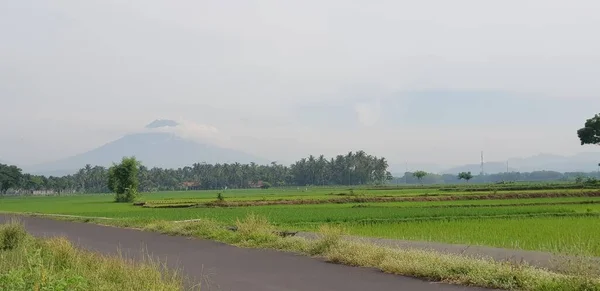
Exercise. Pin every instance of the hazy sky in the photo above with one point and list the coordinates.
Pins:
(419, 81)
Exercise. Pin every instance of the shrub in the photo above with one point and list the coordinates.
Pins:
(255, 230)
(128, 196)
(266, 185)
(329, 237)
(12, 235)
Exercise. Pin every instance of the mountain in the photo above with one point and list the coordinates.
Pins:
(153, 149)
(583, 162)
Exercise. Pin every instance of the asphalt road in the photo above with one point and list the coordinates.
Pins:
(222, 267)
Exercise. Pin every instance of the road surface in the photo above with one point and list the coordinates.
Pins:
(222, 267)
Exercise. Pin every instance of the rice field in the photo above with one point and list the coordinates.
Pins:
(560, 219)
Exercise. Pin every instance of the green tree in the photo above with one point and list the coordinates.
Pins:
(465, 175)
(590, 133)
(123, 179)
(10, 176)
(420, 175)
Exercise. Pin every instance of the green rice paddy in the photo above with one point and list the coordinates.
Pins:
(558, 224)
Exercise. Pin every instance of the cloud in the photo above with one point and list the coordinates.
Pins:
(190, 130)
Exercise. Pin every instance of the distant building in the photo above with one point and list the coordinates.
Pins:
(191, 185)
(258, 184)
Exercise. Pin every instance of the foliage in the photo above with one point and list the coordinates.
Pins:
(590, 133)
(266, 185)
(10, 176)
(465, 175)
(510, 177)
(56, 265)
(123, 179)
(419, 175)
(352, 168)
(12, 235)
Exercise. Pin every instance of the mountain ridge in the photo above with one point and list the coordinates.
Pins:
(153, 149)
(581, 162)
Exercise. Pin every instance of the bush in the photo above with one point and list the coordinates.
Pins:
(266, 185)
(12, 235)
(128, 196)
(329, 237)
(255, 230)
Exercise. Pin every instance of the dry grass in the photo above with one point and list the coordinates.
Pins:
(456, 269)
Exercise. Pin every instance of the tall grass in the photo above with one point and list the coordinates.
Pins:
(27, 263)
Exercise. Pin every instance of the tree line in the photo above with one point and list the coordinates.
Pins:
(421, 177)
(353, 168)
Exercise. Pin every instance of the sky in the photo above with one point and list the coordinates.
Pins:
(430, 81)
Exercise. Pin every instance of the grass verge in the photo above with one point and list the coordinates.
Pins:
(27, 263)
(256, 232)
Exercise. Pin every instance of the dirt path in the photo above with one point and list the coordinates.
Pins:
(222, 267)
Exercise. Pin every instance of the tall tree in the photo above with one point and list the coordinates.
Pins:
(10, 176)
(123, 179)
(590, 133)
(420, 175)
(465, 176)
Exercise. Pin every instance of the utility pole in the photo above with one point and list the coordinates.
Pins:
(406, 174)
(481, 163)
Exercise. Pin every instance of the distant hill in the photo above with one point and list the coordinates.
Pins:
(398, 170)
(584, 162)
(158, 149)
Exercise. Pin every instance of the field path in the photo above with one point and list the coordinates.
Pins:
(222, 267)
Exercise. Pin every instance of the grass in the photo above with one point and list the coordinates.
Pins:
(558, 220)
(255, 231)
(27, 263)
(514, 221)
(571, 235)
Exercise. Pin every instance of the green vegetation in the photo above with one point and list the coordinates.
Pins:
(465, 176)
(27, 264)
(353, 168)
(525, 219)
(261, 201)
(10, 177)
(562, 234)
(255, 231)
(559, 219)
(420, 175)
(590, 133)
(123, 180)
